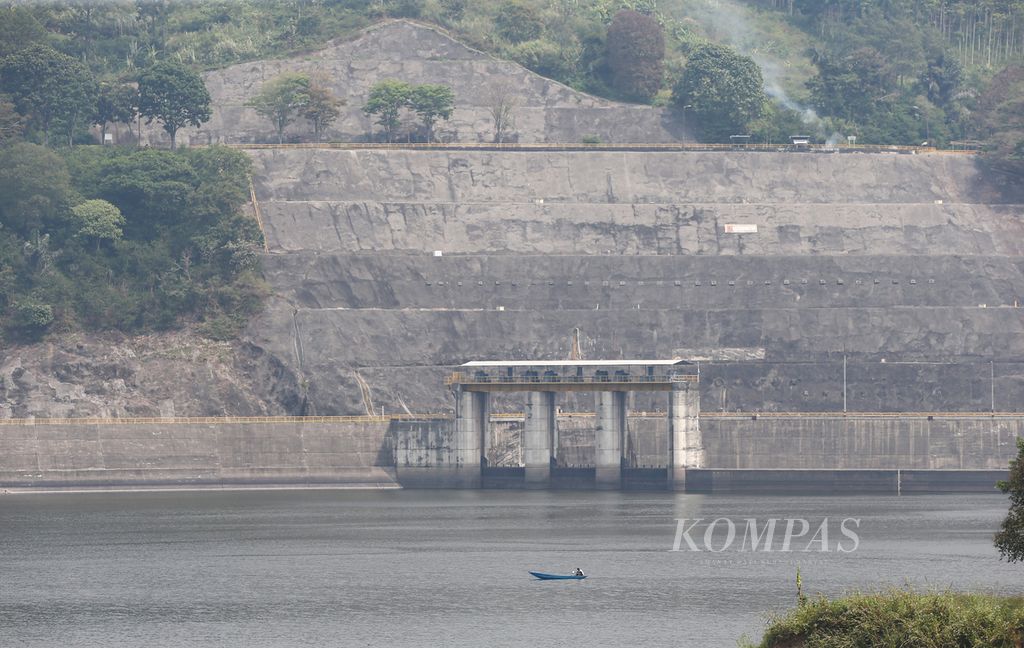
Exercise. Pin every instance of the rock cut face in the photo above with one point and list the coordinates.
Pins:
(895, 261)
(544, 110)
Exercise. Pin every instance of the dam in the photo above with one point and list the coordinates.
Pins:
(860, 332)
(848, 310)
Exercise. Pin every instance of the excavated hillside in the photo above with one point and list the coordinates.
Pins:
(542, 110)
(895, 261)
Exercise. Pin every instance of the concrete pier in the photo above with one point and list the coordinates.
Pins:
(685, 442)
(471, 420)
(611, 425)
(539, 438)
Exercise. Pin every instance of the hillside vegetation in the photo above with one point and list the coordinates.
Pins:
(901, 618)
(903, 71)
(130, 240)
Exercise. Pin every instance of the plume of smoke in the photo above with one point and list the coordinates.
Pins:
(729, 20)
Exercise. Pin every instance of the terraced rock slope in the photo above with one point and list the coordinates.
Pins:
(901, 263)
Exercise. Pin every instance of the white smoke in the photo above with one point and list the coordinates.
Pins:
(834, 139)
(728, 20)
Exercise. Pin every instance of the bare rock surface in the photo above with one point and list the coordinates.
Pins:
(160, 375)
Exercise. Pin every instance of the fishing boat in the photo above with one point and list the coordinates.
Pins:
(543, 576)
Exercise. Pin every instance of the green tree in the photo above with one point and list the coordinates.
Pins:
(636, 52)
(1010, 539)
(386, 100)
(19, 29)
(851, 87)
(432, 101)
(174, 95)
(31, 317)
(35, 188)
(725, 91)
(116, 104)
(942, 80)
(151, 188)
(12, 124)
(518, 22)
(50, 88)
(1000, 121)
(321, 109)
(100, 220)
(282, 99)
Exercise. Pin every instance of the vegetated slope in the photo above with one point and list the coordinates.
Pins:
(892, 72)
(901, 617)
(894, 261)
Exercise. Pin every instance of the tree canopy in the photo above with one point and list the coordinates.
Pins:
(636, 53)
(114, 238)
(1010, 539)
(431, 101)
(173, 95)
(282, 99)
(99, 219)
(722, 90)
(386, 100)
(321, 109)
(53, 90)
(115, 104)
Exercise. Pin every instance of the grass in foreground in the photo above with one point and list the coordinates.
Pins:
(901, 618)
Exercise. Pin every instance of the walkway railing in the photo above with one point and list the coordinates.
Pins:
(230, 420)
(464, 378)
(218, 420)
(639, 147)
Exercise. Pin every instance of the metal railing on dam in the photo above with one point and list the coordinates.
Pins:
(220, 420)
(235, 420)
(580, 147)
(552, 382)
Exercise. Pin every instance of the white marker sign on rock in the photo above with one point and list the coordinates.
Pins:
(740, 228)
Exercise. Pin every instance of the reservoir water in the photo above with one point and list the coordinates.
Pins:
(432, 568)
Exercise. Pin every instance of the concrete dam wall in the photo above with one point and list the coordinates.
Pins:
(212, 453)
(791, 452)
(907, 266)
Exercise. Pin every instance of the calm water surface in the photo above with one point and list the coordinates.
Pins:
(406, 568)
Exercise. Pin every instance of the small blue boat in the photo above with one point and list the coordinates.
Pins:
(543, 576)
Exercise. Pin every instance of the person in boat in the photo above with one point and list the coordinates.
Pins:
(578, 572)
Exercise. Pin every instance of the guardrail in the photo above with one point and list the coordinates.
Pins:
(572, 146)
(924, 415)
(225, 420)
(218, 420)
(461, 378)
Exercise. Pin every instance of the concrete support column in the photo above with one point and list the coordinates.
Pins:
(685, 441)
(611, 428)
(471, 417)
(539, 438)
